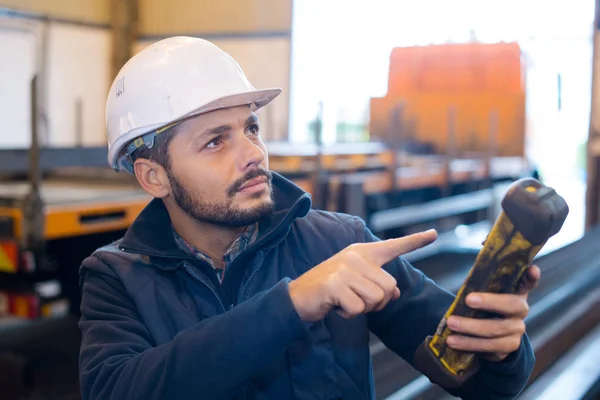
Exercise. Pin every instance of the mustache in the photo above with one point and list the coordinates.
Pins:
(252, 174)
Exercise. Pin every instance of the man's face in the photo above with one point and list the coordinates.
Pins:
(219, 168)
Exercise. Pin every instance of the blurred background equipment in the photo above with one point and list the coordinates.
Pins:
(411, 115)
(473, 80)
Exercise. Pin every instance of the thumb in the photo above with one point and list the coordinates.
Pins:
(384, 251)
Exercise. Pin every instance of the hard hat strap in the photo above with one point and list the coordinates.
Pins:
(144, 140)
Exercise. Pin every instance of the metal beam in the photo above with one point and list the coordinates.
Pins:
(352, 198)
(35, 16)
(432, 210)
(592, 206)
(124, 26)
(572, 377)
(17, 160)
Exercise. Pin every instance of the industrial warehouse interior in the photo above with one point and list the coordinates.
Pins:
(153, 245)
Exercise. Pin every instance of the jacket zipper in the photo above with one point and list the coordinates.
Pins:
(199, 278)
(245, 285)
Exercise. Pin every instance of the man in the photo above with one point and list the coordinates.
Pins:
(228, 285)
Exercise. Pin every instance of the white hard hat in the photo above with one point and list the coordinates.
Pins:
(169, 81)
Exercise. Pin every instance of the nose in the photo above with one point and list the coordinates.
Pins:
(250, 154)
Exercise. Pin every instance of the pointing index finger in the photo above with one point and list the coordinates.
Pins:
(385, 251)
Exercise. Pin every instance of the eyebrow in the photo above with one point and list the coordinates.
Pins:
(252, 119)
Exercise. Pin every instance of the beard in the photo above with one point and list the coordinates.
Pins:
(225, 214)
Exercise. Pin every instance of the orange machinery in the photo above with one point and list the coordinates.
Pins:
(480, 82)
(76, 217)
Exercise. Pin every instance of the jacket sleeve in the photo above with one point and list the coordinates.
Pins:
(405, 323)
(118, 359)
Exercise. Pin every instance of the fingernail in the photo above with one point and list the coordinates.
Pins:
(452, 323)
(474, 300)
(451, 341)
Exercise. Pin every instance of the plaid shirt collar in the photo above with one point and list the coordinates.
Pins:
(247, 237)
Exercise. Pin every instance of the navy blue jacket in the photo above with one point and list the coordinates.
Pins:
(157, 324)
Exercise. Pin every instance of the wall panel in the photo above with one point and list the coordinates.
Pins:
(257, 33)
(17, 44)
(159, 17)
(91, 11)
(266, 63)
(77, 68)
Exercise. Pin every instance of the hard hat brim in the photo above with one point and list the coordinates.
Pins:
(255, 99)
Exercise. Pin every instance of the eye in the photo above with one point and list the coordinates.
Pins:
(254, 129)
(214, 143)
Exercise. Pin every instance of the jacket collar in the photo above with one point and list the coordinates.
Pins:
(150, 233)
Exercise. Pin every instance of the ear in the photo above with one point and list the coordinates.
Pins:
(152, 177)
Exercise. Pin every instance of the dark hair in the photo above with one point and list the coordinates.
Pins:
(159, 153)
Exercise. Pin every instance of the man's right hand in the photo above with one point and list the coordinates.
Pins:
(352, 281)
